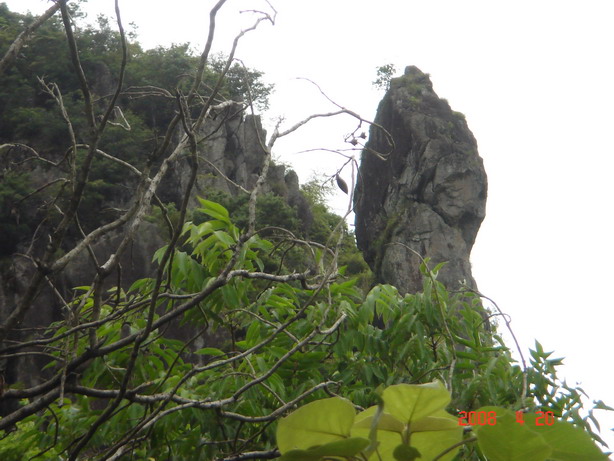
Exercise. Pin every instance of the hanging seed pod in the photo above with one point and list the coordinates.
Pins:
(341, 184)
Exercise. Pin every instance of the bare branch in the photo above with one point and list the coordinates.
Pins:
(271, 454)
(76, 61)
(35, 154)
(122, 71)
(13, 51)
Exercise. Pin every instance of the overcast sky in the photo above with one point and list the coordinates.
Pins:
(535, 80)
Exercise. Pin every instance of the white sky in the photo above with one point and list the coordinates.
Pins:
(535, 80)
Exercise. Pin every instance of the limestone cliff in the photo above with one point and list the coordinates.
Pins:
(428, 196)
(230, 151)
(231, 154)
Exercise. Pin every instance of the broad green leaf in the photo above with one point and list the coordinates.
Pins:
(433, 443)
(386, 422)
(568, 442)
(387, 440)
(436, 434)
(205, 246)
(299, 455)
(412, 402)
(317, 423)
(438, 421)
(508, 440)
(343, 448)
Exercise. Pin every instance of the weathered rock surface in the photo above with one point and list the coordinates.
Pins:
(231, 149)
(232, 146)
(428, 196)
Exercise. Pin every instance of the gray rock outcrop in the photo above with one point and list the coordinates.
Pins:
(231, 150)
(428, 196)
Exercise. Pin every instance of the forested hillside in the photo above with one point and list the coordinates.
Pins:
(168, 292)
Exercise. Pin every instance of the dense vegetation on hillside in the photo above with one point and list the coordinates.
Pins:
(29, 113)
(251, 312)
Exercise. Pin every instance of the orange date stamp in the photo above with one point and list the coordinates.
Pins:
(489, 418)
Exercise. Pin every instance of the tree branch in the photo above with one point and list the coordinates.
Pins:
(13, 51)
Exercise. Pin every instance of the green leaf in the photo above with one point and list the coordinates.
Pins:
(433, 443)
(386, 422)
(467, 355)
(600, 405)
(568, 442)
(438, 267)
(157, 257)
(508, 440)
(412, 402)
(231, 296)
(387, 442)
(343, 448)
(317, 423)
(215, 210)
(435, 423)
(430, 435)
(181, 262)
(253, 334)
(210, 351)
(225, 238)
(139, 284)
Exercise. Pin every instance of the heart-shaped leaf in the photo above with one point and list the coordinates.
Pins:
(412, 402)
(508, 440)
(315, 424)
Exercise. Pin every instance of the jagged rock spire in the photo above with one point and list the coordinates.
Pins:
(428, 195)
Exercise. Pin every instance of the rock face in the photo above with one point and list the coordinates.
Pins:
(429, 195)
(231, 146)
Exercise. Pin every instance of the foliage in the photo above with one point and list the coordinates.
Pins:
(169, 69)
(317, 190)
(322, 226)
(411, 423)
(30, 114)
(286, 342)
(249, 312)
(239, 377)
(241, 83)
(277, 220)
(384, 75)
(271, 210)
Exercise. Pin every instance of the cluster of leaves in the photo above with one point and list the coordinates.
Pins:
(22, 97)
(384, 75)
(319, 226)
(411, 423)
(220, 398)
(238, 326)
(29, 113)
(265, 343)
